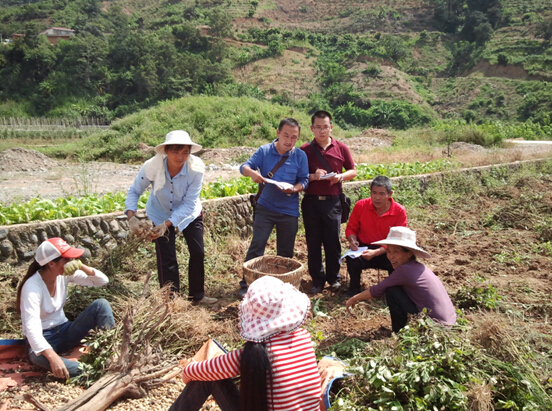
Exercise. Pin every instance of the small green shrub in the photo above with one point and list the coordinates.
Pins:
(372, 70)
(480, 296)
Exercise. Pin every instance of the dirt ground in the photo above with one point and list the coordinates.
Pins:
(464, 252)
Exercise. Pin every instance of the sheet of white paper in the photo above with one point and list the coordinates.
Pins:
(283, 185)
(353, 254)
(329, 175)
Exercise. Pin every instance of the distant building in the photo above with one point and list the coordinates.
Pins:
(55, 33)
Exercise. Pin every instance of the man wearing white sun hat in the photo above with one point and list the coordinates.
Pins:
(176, 177)
(412, 286)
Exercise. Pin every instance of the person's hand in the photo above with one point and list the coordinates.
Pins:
(58, 367)
(257, 177)
(319, 173)
(288, 191)
(369, 254)
(353, 243)
(71, 267)
(159, 230)
(330, 369)
(134, 225)
(335, 179)
(351, 302)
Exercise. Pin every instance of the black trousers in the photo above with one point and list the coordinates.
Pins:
(322, 219)
(356, 265)
(400, 305)
(225, 392)
(167, 265)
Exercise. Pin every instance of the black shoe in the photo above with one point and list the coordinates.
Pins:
(316, 289)
(352, 292)
(336, 286)
(242, 291)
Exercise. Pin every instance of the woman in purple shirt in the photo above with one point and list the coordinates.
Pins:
(412, 286)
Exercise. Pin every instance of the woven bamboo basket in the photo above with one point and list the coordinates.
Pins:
(285, 269)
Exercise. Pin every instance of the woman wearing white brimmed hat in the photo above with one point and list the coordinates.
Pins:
(277, 366)
(41, 296)
(412, 286)
(176, 177)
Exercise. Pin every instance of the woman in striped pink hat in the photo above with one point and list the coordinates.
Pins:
(277, 366)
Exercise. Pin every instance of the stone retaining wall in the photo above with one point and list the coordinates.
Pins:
(99, 234)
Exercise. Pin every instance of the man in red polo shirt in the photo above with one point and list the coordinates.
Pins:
(370, 221)
(321, 206)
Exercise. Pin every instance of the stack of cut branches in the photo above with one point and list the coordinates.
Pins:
(136, 364)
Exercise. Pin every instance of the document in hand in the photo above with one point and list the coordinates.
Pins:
(353, 254)
(283, 185)
(329, 175)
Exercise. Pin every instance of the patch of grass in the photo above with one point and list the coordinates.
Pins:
(210, 121)
(511, 258)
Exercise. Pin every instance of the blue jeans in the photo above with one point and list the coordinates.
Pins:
(194, 395)
(68, 335)
(264, 222)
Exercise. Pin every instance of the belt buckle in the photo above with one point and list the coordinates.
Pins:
(322, 198)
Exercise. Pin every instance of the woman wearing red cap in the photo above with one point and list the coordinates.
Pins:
(41, 296)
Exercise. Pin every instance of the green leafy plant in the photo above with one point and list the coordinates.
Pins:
(369, 171)
(478, 296)
(232, 187)
(40, 209)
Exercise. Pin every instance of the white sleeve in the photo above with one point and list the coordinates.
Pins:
(97, 280)
(30, 317)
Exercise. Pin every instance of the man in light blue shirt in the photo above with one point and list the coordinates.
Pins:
(176, 177)
(275, 206)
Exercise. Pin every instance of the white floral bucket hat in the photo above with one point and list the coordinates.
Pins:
(404, 237)
(271, 307)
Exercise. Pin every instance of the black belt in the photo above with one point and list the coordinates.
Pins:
(321, 198)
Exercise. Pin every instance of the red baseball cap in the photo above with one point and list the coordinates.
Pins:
(56, 247)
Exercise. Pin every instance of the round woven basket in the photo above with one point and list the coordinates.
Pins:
(285, 269)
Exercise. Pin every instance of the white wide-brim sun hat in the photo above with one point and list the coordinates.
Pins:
(404, 237)
(271, 307)
(179, 137)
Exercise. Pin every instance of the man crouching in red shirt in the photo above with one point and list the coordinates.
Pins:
(370, 221)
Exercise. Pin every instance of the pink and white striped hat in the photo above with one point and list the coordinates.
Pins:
(271, 307)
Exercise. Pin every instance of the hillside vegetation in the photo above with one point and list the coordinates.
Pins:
(396, 64)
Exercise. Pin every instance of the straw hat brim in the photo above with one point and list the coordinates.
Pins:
(160, 148)
(418, 252)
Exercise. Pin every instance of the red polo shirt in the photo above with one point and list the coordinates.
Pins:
(338, 157)
(368, 226)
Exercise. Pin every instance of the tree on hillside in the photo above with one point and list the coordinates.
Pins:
(83, 63)
(220, 23)
(463, 57)
(477, 28)
(491, 8)
(448, 14)
(394, 47)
